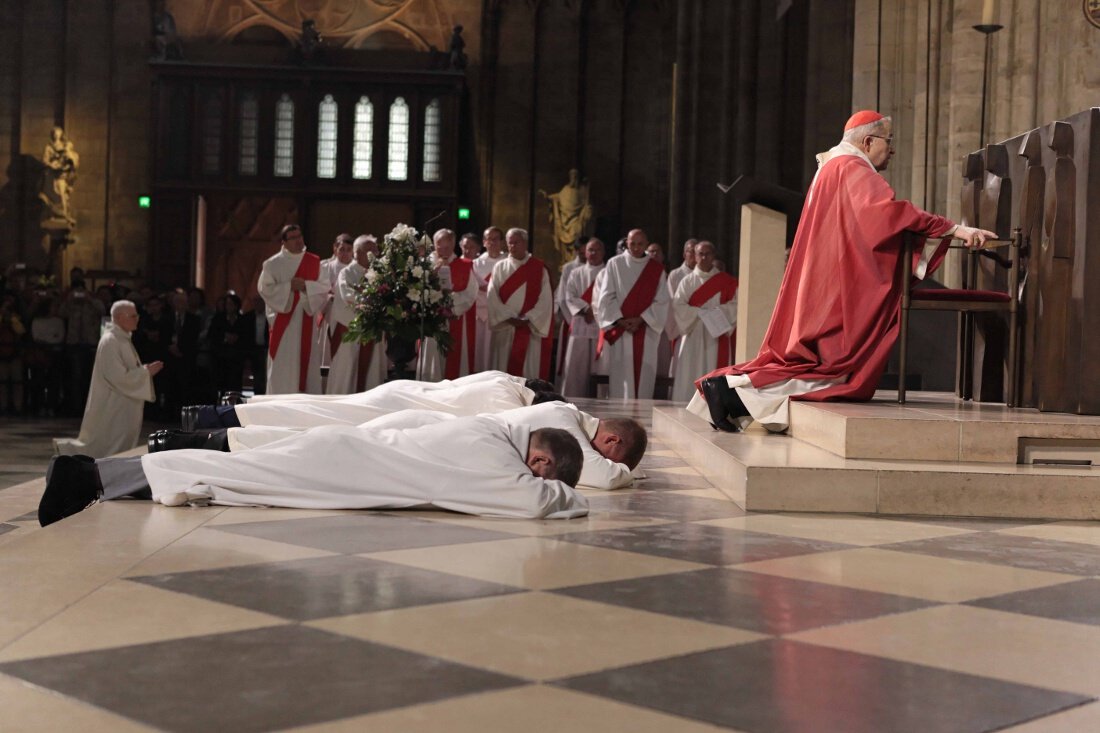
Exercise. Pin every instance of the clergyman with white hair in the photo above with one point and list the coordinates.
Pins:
(520, 311)
(121, 385)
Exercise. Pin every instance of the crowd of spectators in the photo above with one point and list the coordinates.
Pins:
(48, 338)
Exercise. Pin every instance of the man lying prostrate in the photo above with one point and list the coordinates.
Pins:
(493, 394)
(611, 447)
(473, 465)
(405, 385)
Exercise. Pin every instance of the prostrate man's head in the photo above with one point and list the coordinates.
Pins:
(444, 241)
(621, 440)
(636, 242)
(124, 315)
(555, 454)
(872, 133)
(689, 253)
(517, 243)
(494, 241)
(470, 246)
(291, 238)
(704, 256)
(364, 249)
(594, 252)
(342, 248)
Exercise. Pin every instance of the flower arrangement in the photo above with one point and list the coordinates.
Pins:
(401, 297)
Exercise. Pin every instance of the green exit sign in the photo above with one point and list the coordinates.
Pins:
(144, 202)
(463, 213)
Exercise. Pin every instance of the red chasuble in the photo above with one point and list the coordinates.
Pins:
(726, 284)
(461, 272)
(529, 274)
(838, 309)
(634, 305)
(308, 269)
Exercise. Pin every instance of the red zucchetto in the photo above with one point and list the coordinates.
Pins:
(863, 117)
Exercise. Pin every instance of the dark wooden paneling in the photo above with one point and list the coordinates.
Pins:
(512, 112)
(602, 120)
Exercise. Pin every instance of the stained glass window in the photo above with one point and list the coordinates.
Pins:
(212, 133)
(284, 137)
(398, 168)
(362, 139)
(248, 115)
(433, 145)
(326, 138)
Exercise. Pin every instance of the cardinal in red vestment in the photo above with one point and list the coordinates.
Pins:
(837, 314)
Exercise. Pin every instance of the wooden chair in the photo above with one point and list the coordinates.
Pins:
(966, 302)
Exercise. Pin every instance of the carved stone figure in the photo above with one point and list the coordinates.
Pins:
(59, 176)
(570, 213)
(1031, 222)
(1057, 356)
(165, 39)
(455, 55)
(309, 45)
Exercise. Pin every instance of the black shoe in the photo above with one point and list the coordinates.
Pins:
(189, 416)
(715, 391)
(72, 483)
(163, 440)
(538, 385)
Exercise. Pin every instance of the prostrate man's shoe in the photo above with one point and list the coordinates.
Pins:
(189, 416)
(72, 484)
(724, 404)
(163, 440)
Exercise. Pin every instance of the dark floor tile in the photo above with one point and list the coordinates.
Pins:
(257, 680)
(780, 686)
(1002, 549)
(31, 516)
(363, 533)
(1078, 602)
(661, 505)
(325, 586)
(5, 527)
(7, 480)
(752, 601)
(702, 543)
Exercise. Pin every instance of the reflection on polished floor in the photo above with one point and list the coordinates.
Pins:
(669, 608)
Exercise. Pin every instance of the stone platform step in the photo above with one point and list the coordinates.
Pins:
(931, 426)
(763, 472)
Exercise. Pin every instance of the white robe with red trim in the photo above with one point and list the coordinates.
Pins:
(433, 364)
(343, 374)
(612, 289)
(580, 353)
(698, 352)
(274, 288)
(483, 269)
(539, 318)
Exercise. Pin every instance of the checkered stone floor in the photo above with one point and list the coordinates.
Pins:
(668, 608)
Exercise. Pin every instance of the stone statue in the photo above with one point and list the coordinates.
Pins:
(309, 45)
(570, 213)
(455, 56)
(165, 40)
(61, 161)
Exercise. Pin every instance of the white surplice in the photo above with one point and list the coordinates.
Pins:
(119, 389)
(597, 472)
(494, 394)
(274, 288)
(474, 465)
(483, 269)
(396, 385)
(698, 352)
(612, 288)
(432, 362)
(580, 352)
(539, 318)
(561, 313)
(343, 374)
(330, 270)
(671, 332)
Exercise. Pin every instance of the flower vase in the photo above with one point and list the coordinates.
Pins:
(400, 351)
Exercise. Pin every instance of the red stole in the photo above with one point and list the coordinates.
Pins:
(634, 304)
(726, 285)
(529, 274)
(461, 271)
(365, 352)
(308, 269)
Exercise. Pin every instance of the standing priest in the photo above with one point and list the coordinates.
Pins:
(520, 312)
(837, 314)
(456, 275)
(631, 307)
(705, 311)
(291, 288)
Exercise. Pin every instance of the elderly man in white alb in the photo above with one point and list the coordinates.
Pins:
(631, 307)
(520, 311)
(483, 270)
(355, 367)
(705, 310)
(580, 354)
(674, 277)
(456, 275)
(562, 310)
(121, 385)
(293, 292)
(474, 465)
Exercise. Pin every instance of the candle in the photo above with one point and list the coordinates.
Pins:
(987, 12)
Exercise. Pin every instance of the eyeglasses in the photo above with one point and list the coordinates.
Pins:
(889, 140)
